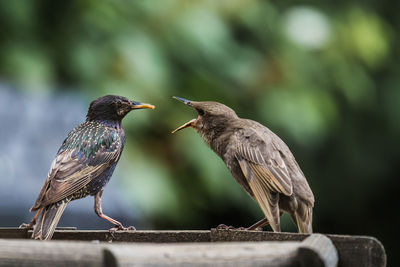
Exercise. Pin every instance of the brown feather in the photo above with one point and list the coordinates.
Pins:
(274, 175)
(68, 175)
(48, 219)
(265, 197)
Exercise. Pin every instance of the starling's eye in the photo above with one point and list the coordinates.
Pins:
(200, 111)
(118, 103)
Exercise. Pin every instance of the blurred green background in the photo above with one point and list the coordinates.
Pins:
(323, 75)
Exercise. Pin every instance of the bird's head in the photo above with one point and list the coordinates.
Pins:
(212, 116)
(112, 108)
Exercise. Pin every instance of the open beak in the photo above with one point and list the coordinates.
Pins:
(189, 123)
(138, 105)
(184, 101)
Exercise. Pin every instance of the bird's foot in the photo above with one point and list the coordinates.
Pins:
(121, 228)
(116, 228)
(259, 229)
(26, 226)
(29, 225)
(225, 227)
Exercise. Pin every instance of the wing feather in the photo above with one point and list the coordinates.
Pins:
(266, 173)
(269, 167)
(265, 197)
(72, 169)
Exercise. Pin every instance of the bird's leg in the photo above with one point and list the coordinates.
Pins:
(32, 223)
(99, 212)
(258, 224)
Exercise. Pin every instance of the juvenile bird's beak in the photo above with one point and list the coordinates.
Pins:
(185, 101)
(189, 123)
(138, 105)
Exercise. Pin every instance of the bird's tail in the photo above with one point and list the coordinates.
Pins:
(48, 220)
(303, 218)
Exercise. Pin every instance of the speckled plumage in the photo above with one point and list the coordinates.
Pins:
(84, 163)
(89, 136)
(92, 142)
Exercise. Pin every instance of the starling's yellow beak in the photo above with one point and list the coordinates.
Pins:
(138, 105)
(188, 124)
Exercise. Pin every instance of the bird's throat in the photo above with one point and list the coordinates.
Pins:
(111, 123)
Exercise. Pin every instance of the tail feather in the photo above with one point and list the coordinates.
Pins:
(48, 220)
(303, 218)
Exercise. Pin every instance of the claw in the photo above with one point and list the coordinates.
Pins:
(225, 227)
(112, 230)
(222, 227)
(26, 226)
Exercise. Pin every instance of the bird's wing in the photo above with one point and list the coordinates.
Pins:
(266, 162)
(74, 167)
(265, 171)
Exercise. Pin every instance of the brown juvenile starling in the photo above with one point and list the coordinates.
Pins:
(84, 164)
(259, 161)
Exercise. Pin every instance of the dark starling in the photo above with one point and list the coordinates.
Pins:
(259, 161)
(84, 164)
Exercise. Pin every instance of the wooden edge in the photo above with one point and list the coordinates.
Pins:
(317, 250)
(352, 250)
(271, 254)
(135, 236)
(219, 235)
(14, 233)
(359, 250)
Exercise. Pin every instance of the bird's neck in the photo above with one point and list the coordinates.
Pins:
(215, 135)
(110, 123)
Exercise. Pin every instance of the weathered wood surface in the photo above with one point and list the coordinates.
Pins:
(119, 236)
(273, 254)
(17, 252)
(317, 250)
(352, 250)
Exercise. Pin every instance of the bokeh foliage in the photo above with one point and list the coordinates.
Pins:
(322, 75)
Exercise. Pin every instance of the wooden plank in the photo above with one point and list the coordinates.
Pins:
(352, 250)
(12, 232)
(317, 250)
(17, 252)
(363, 251)
(67, 233)
(135, 236)
(20, 252)
(16, 233)
(271, 254)
(218, 235)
